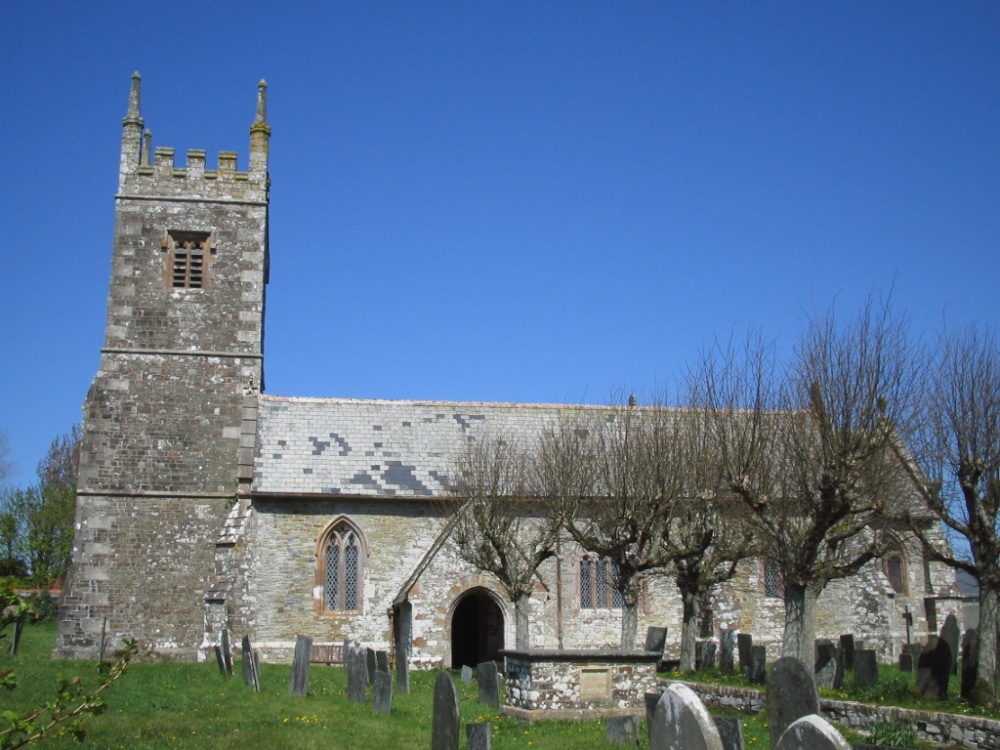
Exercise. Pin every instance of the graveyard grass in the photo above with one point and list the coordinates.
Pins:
(171, 705)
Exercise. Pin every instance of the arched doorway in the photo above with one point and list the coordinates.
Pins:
(476, 629)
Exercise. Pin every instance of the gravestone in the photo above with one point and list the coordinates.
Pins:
(934, 669)
(905, 662)
(15, 641)
(300, 665)
(650, 699)
(382, 661)
(756, 671)
(357, 672)
(707, 655)
(730, 732)
(951, 634)
(382, 693)
(812, 733)
(865, 667)
(370, 663)
(791, 694)
(970, 662)
(656, 639)
(466, 674)
(220, 661)
(489, 684)
(623, 730)
(847, 649)
(744, 642)
(251, 666)
(444, 719)
(727, 641)
(402, 672)
(478, 736)
(681, 721)
(827, 664)
(227, 652)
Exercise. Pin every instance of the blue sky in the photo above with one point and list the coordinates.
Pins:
(510, 201)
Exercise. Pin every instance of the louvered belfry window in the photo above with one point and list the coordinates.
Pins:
(189, 259)
(342, 579)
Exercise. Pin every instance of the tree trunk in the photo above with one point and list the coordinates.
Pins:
(989, 630)
(522, 611)
(689, 630)
(800, 623)
(630, 624)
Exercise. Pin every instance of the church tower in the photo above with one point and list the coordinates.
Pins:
(170, 419)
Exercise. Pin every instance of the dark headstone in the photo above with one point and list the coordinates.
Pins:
(251, 666)
(489, 684)
(300, 665)
(952, 635)
(402, 673)
(220, 661)
(827, 664)
(623, 730)
(651, 699)
(445, 716)
(680, 720)
(707, 655)
(756, 671)
(466, 674)
(730, 732)
(370, 664)
(382, 693)
(656, 639)
(15, 641)
(357, 672)
(227, 652)
(970, 662)
(865, 667)
(382, 661)
(727, 641)
(744, 642)
(905, 662)
(934, 669)
(791, 694)
(478, 736)
(847, 649)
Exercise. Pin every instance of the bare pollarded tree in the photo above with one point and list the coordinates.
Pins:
(811, 448)
(957, 445)
(500, 527)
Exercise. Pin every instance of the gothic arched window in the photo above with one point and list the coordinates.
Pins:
(341, 568)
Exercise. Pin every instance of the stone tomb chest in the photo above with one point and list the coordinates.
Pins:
(585, 684)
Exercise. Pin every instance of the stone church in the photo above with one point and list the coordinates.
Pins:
(206, 503)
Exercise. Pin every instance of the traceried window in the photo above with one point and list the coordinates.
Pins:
(189, 258)
(342, 565)
(774, 587)
(598, 589)
(895, 570)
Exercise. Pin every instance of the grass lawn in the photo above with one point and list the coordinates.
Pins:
(191, 706)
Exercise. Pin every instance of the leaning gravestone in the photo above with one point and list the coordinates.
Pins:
(444, 719)
(951, 634)
(847, 649)
(829, 669)
(756, 671)
(489, 684)
(681, 721)
(478, 736)
(812, 733)
(227, 652)
(656, 639)
(707, 655)
(251, 666)
(730, 732)
(970, 662)
(300, 665)
(382, 693)
(791, 694)
(934, 669)
(466, 674)
(727, 640)
(371, 664)
(744, 643)
(357, 672)
(865, 667)
(220, 661)
(623, 730)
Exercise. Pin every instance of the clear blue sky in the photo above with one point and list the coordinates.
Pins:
(509, 201)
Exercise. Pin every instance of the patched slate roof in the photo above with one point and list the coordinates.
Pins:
(373, 447)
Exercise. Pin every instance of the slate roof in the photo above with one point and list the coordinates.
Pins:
(378, 447)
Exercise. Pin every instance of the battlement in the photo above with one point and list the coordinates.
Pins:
(139, 178)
